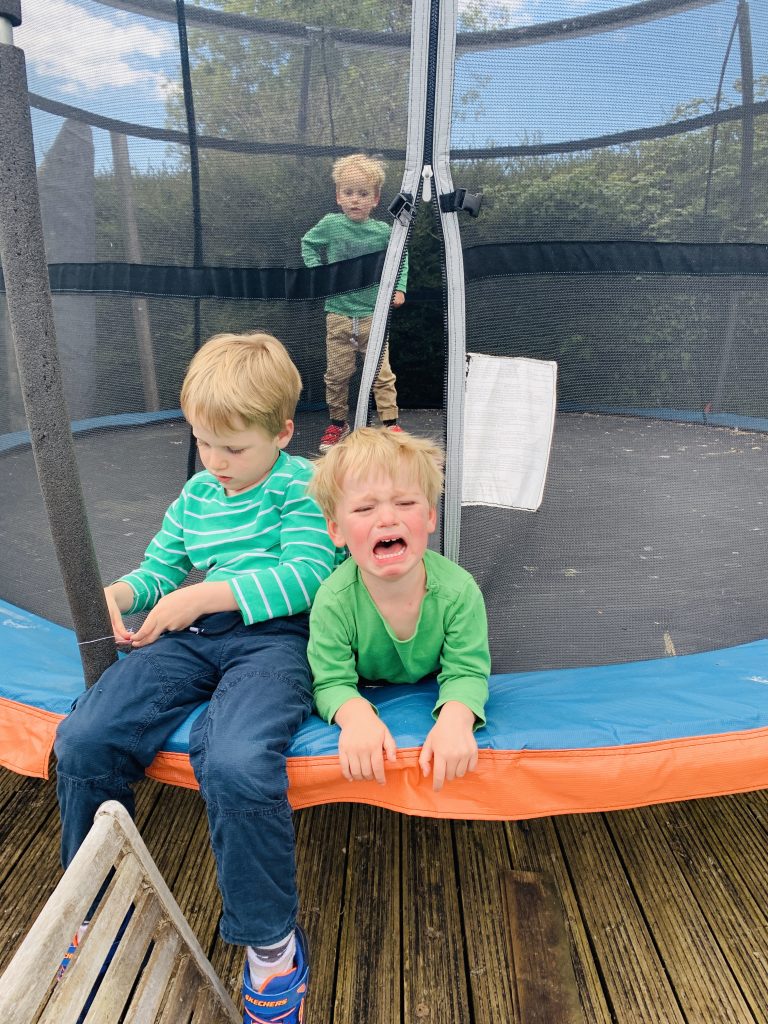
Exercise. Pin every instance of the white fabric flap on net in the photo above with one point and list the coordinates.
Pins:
(509, 417)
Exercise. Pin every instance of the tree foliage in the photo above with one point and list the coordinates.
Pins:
(622, 342)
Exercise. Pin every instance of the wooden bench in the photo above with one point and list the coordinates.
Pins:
(159, 972)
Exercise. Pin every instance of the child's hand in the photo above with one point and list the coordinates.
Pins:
(450, 744)
(176, 610)
(363, 742)
(398, 299)
(119, 599)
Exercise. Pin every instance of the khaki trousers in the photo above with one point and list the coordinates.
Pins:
(345, 337)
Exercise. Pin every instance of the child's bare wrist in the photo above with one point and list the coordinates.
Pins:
(458, 712)
(353, 711)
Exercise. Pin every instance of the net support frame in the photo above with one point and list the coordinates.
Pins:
(414, 150)
(454, 298)
(33, 335)
(430, 147)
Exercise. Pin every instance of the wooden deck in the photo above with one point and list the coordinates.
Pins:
(665, 908)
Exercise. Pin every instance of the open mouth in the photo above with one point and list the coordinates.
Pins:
(390, 547)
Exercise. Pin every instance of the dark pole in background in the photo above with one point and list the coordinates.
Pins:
(745, 213)
(121, 162)
(746, 206)
(194, 171)
(22, 254)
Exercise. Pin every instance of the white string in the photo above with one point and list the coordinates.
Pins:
(99, 639)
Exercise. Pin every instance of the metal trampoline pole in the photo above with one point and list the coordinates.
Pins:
(22, 255)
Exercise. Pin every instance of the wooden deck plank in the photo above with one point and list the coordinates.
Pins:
(181, 825)
(10, 784)
(431, 926)
(702, 979)
(757, 802)
(729, 882)
(322, 838)
(194, 882)
(168, 835)
(638, 989)
(368, 900)
(368, 984)
(544, 975)
(482, 854)
(30, 851)
(536, 847)
(227, 961)
(31, 803)
(715, 822)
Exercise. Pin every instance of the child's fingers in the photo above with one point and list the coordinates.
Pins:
(146, 634)
(438, 774)
(151, 628)
(121, 633)
(345, 770)
(390, 747)
(353, 767)
(359, 767)
(466, 764)
(116, 621)
(377, 767)
(425, 758)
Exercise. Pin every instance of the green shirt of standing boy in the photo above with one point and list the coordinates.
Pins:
(394, 611)
(342, 236)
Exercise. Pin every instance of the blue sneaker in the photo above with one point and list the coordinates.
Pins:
(67, 958)
(102, 970)
(281, 997)
(73, 946)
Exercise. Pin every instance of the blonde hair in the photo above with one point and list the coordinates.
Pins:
(373, 450)
(237, 381)
(361, 166)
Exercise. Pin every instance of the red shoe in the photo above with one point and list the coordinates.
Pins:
(333, 434)
(396, 429)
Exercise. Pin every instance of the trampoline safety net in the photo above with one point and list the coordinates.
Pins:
(621, 158)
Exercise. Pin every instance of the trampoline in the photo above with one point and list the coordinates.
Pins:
(629, 246)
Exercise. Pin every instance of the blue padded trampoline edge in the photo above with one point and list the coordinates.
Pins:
(710, 693)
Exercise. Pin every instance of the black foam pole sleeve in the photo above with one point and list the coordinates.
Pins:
(11, 9)
(22, 253)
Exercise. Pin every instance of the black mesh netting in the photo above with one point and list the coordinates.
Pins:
(623, 163)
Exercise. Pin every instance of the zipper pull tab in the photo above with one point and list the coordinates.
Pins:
(426, 192)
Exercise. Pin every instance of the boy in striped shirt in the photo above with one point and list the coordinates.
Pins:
(237, 640)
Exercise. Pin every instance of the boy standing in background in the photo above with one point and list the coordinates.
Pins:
(343, 236)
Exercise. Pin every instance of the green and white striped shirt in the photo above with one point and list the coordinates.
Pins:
(270, 543)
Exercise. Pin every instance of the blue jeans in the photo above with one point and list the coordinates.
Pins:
(258, 683)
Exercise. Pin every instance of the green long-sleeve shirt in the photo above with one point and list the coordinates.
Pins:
(336, 238)
(350, 640)
(270, 543)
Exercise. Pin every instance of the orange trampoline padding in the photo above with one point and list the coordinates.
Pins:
(506, 785)
(518, 784)
(557, 742)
